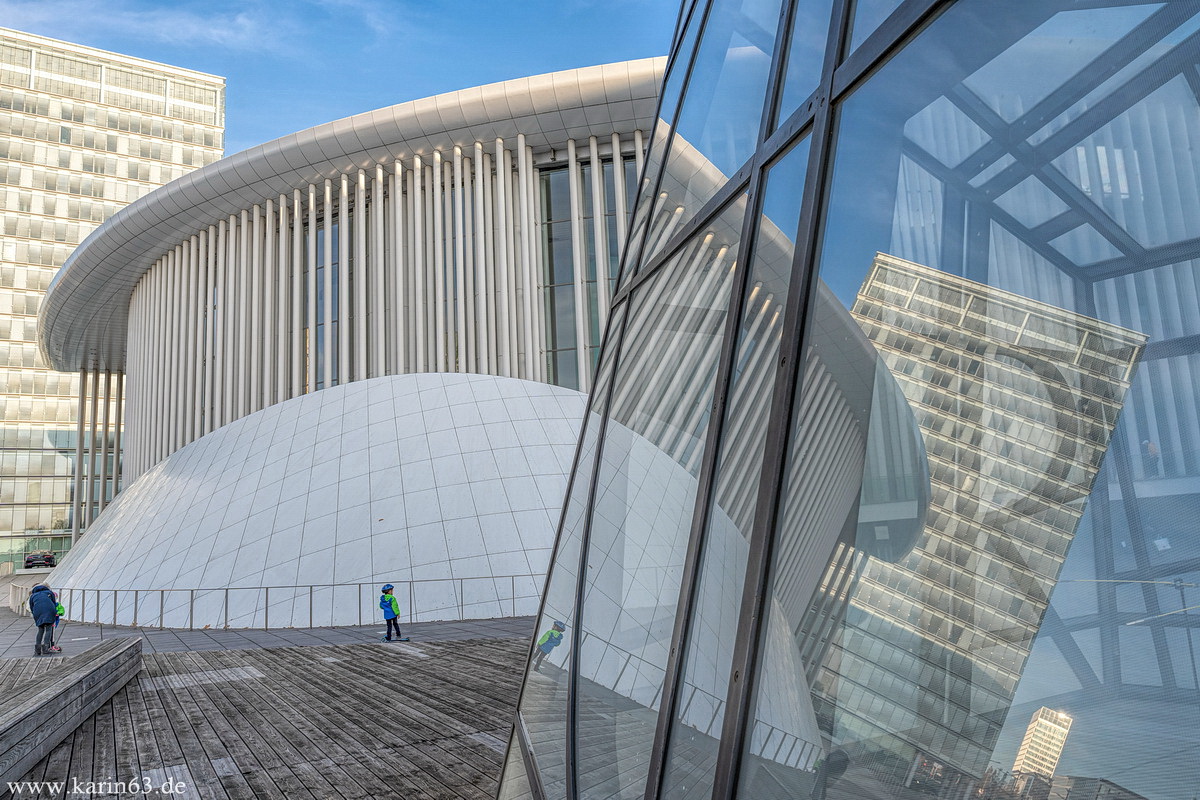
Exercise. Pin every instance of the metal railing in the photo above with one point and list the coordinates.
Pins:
(321, 605)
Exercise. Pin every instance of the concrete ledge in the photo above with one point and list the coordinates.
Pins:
(41, 712)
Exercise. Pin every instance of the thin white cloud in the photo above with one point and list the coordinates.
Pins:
(245, 28)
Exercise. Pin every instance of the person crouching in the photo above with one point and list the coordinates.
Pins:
(43, 605)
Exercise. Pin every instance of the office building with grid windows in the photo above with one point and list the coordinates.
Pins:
(83, 133)
(958, 263)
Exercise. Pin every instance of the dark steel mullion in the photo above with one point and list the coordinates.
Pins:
(520, 738)
(885, 40)
(666, 157)
(701, 507)
(787, 383)
(613, 339)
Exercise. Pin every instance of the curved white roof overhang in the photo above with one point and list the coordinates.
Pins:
(84, 316)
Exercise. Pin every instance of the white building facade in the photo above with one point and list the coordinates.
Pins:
(474, 232)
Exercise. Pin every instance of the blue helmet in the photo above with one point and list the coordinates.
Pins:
(386, 587)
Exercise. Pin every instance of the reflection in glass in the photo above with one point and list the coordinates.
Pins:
(701, 698)
(645, 493)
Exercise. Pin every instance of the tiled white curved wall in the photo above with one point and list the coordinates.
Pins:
(428, 477)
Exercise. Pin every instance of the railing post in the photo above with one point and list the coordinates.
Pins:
(191, 609)
(98, 622)
(512, 590)
(135, 607)
(162, 602)
(267, 609)
(226, 606)
(360, 604)
(114, 622)
(310, 605)
(412, 609)
(461, 600)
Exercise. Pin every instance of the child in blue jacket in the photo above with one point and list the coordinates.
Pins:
(43, 605)
(391, 612)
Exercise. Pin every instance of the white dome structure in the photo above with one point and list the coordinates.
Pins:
(448, 486)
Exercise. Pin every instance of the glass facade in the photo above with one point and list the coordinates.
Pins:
(82, 133)
(890, 473)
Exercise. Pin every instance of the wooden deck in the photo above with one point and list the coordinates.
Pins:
(423, 720)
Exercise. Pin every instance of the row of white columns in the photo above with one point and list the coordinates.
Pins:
(97, 436)
(428, 264)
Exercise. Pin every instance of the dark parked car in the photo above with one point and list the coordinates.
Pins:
(39, 558)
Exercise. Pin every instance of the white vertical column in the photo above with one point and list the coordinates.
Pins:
(267, 339)
(619, 190)
(639, 151)
(91, 475)
(245, 362)
(462, 343)
(378, 283)
(345, 325)
(327, 252)
(437, 245)
(77, 498)
(210, 349)
(220, 311)
(418, 240)
(230, 323)
(580, 268)
(599, 236)
(412, 182)
(104, 428)
(161, 361)
(504, 183)
(398, 269)
(505, 354)
(537, 269)
(118, 454)
(491, 270)
(285, 320)
(132, 350)
(311, 261)
(446, 203)
(528, 286)
(174, 324)
(483, 347)
(297, 254)
(360, 277)
(200, 332)
(470, 348)
(257, 279)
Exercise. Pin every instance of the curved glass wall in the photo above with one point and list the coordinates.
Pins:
(905, 507)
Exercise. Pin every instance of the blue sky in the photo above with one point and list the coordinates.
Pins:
(292, 64)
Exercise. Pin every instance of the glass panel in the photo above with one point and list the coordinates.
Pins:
(696, 731)
(543, 704)
(984, 574)
(869, 15)
(719, 122)
(645, 498)
(806, 52)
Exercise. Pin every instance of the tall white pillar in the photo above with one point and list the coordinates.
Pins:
(599, 236)
(90, 513)
(580, 269)
(398, 269)
(106, 421)
(245, 363)
(77, 502)
(378, 283)
(528, 290)
(268, 341)
(345, 324)
(298, 319)
(483, 317)
(360, 277)
(254, 300)
(327, 252)
(118, 453)
(418, 240)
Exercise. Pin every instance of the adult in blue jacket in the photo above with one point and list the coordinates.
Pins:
(43, 605)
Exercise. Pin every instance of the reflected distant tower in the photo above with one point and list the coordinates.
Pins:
(1016, 401)
(1043, 743)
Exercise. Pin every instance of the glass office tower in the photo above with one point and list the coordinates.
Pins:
(894, 437)
(83, 132)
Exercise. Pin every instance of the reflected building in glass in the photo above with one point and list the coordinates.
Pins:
(893, 438)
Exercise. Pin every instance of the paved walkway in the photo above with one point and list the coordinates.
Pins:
(17, 635)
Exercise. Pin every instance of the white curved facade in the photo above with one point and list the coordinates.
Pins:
(448, 486)
(461, 233)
